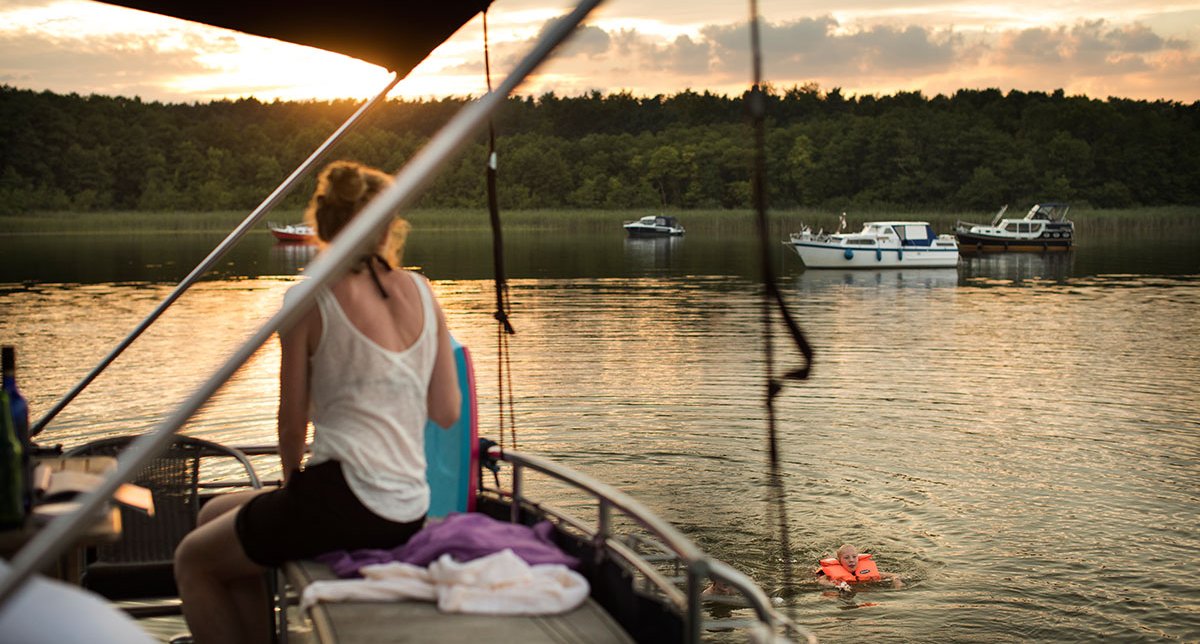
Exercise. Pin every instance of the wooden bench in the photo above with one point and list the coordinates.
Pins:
(419, 621)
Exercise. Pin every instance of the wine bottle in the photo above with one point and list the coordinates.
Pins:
(12, 477)
(19, 411)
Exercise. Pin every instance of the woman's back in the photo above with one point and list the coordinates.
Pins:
(394, 322)
(370, 374)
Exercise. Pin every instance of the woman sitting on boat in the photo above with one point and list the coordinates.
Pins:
(373, 362)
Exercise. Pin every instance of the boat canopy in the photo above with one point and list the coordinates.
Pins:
(396, 34)
(1047, 211)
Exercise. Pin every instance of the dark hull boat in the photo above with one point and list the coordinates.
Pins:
(1044, 229)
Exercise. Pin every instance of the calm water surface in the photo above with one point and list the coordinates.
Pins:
(1019, 438)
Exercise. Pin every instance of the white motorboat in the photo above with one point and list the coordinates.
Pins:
(1044, 228)
(654, 226)
(880, 244)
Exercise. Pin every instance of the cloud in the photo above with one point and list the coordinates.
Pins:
(1091, 48)
(127, 65)
(872, 47)
(822, 47)
(1087, 56)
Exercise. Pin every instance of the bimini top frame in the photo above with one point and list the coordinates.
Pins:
(351, 243)
(392, 33)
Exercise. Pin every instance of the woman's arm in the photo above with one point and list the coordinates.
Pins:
(293, 393)
(444, 400)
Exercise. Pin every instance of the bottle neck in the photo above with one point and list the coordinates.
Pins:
(9, 379)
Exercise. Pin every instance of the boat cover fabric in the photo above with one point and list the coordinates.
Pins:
(463, 536)
(396, 34)
(498, 584)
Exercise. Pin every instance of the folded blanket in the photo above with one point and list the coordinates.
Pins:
(464, 536)
(501, 583)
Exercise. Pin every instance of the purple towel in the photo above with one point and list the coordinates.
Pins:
(464, 537)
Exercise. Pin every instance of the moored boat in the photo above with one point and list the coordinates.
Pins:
(1044, 228)
(654, 226)
(880, 244)
(299, 233)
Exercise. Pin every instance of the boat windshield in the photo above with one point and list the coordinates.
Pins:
(1047, 212)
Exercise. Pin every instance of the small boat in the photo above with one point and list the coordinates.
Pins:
(1044, 228)
(293, 233)
(654, 226)
(880, 244)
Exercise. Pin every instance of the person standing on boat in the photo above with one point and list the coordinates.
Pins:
(372, 362)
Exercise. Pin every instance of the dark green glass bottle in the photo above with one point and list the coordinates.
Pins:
(12, 471)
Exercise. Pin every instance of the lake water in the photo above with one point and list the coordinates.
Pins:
(1019, 438)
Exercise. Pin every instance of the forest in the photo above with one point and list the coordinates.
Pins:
(974, 150)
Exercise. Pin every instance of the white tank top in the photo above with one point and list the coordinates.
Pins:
(369, 409)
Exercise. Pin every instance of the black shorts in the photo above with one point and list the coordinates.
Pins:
(315, 513)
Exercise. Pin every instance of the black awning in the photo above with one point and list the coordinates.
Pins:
(397, 34)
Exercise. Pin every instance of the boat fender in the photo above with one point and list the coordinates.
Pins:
(899, 254)
(849, 254)
(865, 571)
(878, 255)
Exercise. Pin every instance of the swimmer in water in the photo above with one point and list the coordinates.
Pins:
(850, 567)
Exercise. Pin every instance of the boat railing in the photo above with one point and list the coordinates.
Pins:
(407, 186)
(667, 561)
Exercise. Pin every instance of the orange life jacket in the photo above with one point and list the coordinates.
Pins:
(865, 571)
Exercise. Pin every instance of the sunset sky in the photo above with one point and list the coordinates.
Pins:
(1147, 49)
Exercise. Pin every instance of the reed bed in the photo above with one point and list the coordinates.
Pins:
(1100, 222)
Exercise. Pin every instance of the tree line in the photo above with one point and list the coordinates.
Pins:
(976, 149)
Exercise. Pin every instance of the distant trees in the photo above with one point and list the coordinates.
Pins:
(977, 149)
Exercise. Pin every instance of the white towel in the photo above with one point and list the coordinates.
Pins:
(498, 584)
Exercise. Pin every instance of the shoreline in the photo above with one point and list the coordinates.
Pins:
(1159, 218)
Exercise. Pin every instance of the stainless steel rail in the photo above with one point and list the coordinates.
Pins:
(299, 174)
(351, 243)
(698, 565)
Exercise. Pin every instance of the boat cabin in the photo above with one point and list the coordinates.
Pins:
(909, 233)
(659, 220)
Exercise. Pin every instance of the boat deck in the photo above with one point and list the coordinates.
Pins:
(417, 621)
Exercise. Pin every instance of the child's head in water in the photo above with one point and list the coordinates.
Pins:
(847, 555)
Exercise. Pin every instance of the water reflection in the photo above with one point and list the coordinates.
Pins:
(884, 277)
(292, 257)
(1018, 267)
(655, 253)
(918, 437)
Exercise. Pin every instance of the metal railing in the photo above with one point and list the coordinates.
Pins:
(695, 564)
(351, 243)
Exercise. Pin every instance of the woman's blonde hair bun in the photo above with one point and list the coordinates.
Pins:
(343, 188)
(346, 182)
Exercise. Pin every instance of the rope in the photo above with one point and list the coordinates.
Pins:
(504, 328)
(772, 301)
